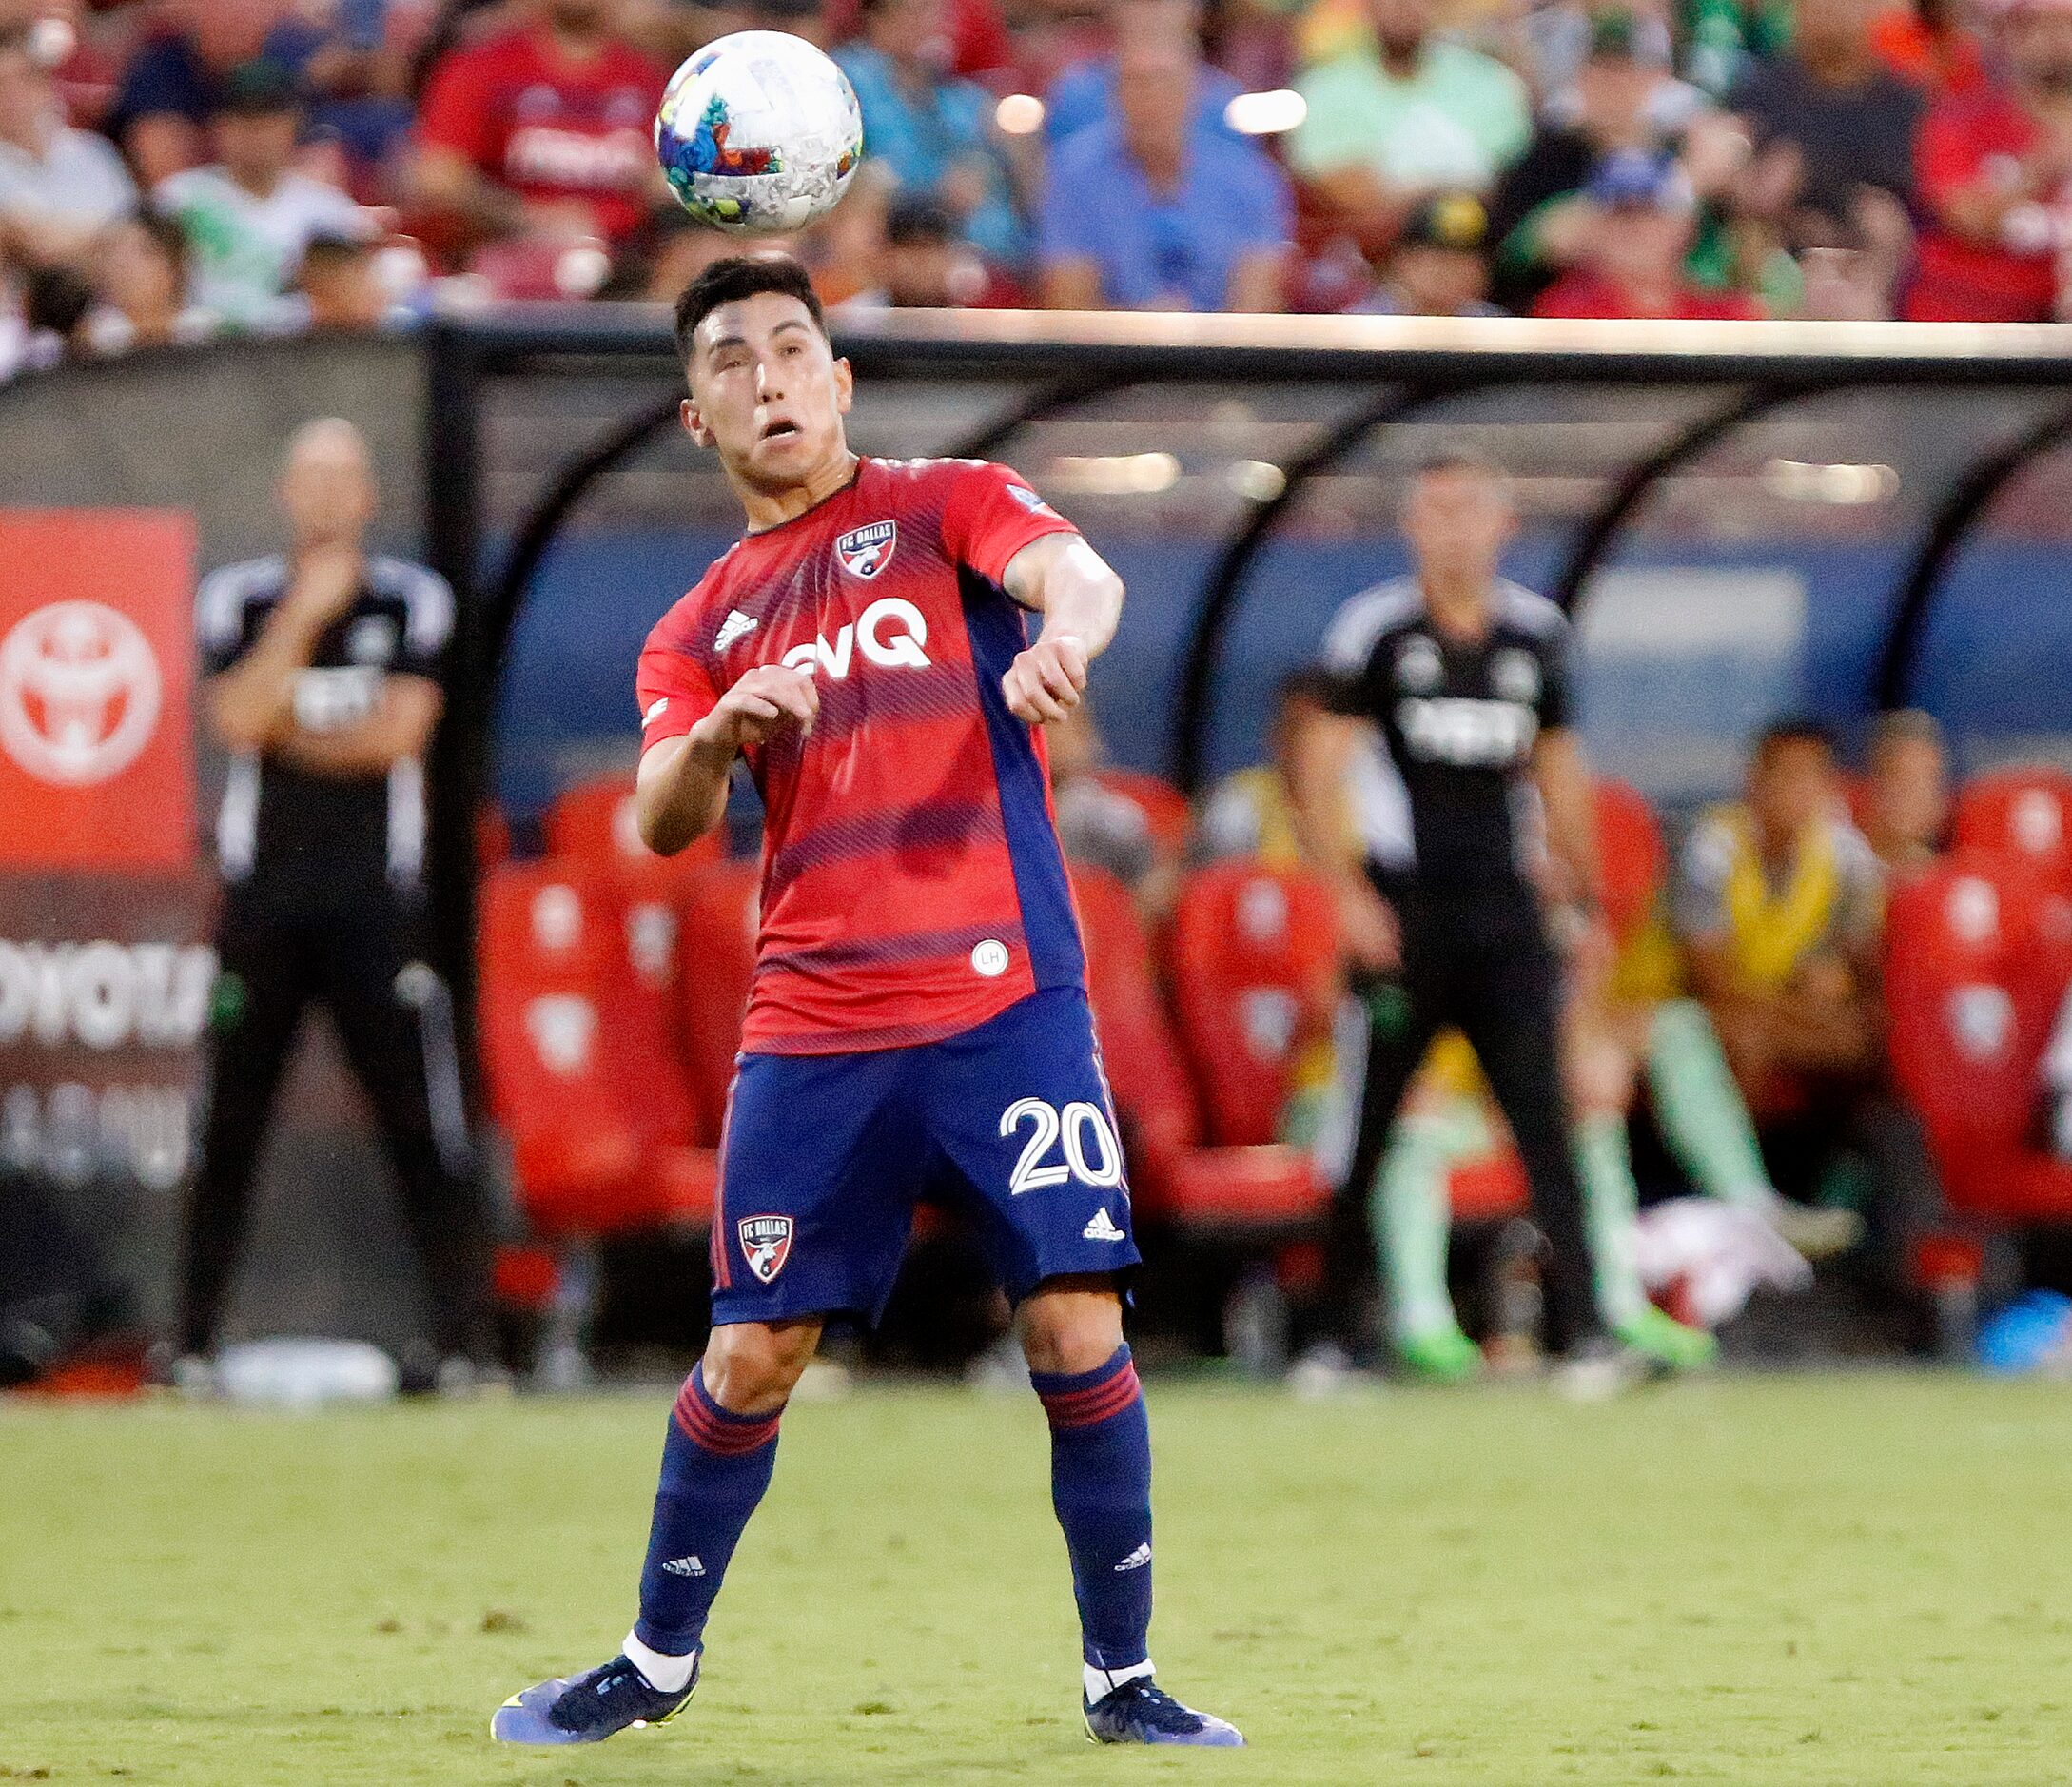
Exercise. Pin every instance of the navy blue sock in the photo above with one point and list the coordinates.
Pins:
(1100, 1485)
(716, 1466)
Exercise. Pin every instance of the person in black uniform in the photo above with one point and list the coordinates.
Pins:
(1467, 680)
(323, 686)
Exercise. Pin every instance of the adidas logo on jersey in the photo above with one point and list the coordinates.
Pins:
(684, 1566)
(1137, 1559)
(1102, 1228)
(736, 626)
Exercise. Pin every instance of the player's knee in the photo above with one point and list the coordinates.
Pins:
(1066, 1329)
(750, 1367)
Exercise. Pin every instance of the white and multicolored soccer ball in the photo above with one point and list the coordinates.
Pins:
(760, 131)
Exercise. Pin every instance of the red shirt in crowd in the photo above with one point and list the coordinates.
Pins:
(1964, 139)
(913, 883)
(550, 126)
(1583, 293)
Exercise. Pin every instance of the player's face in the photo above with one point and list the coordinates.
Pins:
(1910, 790)
(1458, 519)
(767, 392)
(327, 488)
(1794, 786)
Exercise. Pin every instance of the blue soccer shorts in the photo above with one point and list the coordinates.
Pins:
(825, 1157)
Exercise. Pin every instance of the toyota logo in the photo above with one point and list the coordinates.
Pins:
(79, 693)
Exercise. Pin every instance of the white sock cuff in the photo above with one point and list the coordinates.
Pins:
(1101, 1682)
(665, 1674)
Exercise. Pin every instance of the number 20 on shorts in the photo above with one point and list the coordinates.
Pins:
(1077, 1125)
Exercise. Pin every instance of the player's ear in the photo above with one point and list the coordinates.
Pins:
(693, 424)
(845, 387)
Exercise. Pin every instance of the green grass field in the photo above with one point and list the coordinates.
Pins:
(1862, 1581)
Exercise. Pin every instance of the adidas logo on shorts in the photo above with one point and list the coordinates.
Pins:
(1102, 1228)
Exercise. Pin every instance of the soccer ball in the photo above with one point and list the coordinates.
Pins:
(760, 131)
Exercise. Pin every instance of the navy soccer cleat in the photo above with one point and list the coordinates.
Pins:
(587, 1708)
(1141, 1712)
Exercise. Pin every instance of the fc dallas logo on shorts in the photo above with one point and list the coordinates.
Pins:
(864, 551)
(765, 1243)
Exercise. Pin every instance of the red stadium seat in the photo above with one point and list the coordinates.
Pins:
(1976, 961)
(1254, 955)
(594, 822)
(718, 914)
(1634, 860)
(1200, 1190)
(2026, 811)
(1165, 807)
(586, 1087)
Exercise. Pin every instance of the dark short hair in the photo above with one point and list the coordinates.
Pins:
(918, 219)
(1793, 729)
(333, 249)
(742, 276)
(1461, 460)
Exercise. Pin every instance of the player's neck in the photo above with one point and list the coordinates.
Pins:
(1460, 607)
(766, 509)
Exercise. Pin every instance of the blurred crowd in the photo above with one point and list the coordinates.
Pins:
(170, 169)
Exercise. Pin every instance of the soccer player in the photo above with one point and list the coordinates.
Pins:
(1466, 679)
(919, 1021)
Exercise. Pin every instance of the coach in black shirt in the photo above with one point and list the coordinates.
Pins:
(323, 686)
(1466, 677)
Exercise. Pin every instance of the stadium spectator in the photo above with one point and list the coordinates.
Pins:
(58, 186)
(1412, 114)
(1439, 267)
(180, 75)
(1780, 905)
(1252, 811)
(1623, 98)
(1723, 38)
(932, 129)
(1993, 168)
(250, 217)
(923, 263)
(1832, 166)
(340, 286)
(1162, 208)
(542, 131)
(1931, 43)
(1907, 795)
(1085, 94)
(84, 51)
(139, 271)
(1632, 260)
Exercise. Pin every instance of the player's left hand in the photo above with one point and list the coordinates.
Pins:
(1045, 682)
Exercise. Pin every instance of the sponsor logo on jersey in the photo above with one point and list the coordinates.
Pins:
(989, 958)
(656, 712)
(765, 1243)
(371, 639)
(1029, 500)
(866, 551)
(79, 693)
(1419, 666)
(1469, 734)
(736, 626)
(892, 632)
(1515, 676)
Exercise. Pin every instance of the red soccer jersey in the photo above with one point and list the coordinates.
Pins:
(551, 127)
(1587, 294)
(1964, 139)
(913, 881)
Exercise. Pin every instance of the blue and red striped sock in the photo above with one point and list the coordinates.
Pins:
(1100, 1486)
(716, 1466)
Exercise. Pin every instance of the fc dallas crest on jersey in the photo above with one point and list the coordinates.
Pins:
(866, 551)
(765, 1243)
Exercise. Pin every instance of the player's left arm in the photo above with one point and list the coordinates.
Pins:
(1563, 780)
(1079, 598)
(399, 727)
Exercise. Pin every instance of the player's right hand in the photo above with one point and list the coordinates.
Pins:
(1368, 927)
(761, 703)
(326, 580)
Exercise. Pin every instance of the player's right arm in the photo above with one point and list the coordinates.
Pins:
(680, 792)
(250, 704)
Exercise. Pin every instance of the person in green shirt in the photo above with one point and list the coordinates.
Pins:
(1412, 114)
